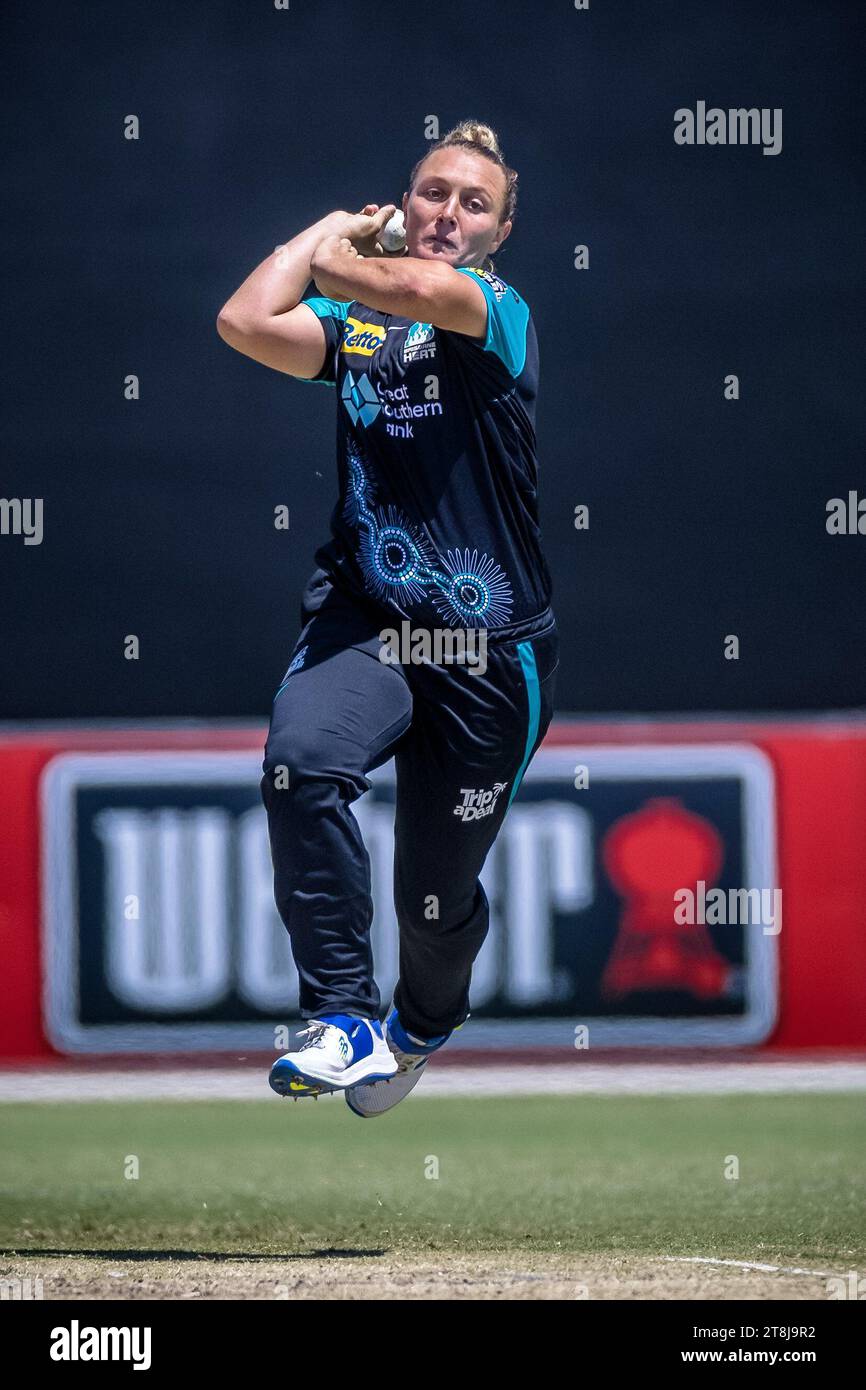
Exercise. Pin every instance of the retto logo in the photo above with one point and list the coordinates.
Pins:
(362, 338)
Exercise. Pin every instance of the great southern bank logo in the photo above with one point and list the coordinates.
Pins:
(364, 401)
(360, 399)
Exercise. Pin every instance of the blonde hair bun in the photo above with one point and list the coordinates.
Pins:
(478, 132)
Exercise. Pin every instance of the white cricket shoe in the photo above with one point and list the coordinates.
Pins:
(340, 1051)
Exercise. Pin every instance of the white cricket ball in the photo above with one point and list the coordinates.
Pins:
(393, 235)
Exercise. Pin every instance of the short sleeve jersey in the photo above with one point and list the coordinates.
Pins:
(437, 516)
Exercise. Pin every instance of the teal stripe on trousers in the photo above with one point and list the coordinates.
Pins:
(530, 675)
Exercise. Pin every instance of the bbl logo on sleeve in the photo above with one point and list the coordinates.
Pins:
(498, 286)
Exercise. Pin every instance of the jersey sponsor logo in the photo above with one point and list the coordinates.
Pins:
(479, 802)
(360, 399)
(420, 343)
(361, 337)
(498, 286)
(364, 401)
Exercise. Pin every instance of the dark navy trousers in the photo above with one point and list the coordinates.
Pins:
(461, 743)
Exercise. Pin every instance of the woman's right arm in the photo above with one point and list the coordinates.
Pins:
(265, 320)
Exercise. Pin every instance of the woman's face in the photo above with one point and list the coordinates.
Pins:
(452, 213)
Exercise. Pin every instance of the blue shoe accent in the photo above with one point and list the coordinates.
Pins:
(356, 1031)
(407, 1042)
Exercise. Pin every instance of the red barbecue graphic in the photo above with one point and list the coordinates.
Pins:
(648, 856)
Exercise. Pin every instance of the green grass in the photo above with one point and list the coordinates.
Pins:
(562, 1174)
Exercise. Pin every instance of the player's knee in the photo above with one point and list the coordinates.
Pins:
(306, 761)
(293, 756)
(460, 916)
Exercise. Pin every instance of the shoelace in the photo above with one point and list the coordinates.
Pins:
(316, 1031)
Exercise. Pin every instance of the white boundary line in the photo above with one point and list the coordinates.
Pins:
(747, 1264)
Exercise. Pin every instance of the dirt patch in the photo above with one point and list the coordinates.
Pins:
(345, 1276)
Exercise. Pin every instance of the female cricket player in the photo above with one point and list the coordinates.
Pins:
(434, 362)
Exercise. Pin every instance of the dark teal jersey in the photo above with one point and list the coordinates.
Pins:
(437, 518)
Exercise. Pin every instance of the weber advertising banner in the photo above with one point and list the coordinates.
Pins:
(633, 892)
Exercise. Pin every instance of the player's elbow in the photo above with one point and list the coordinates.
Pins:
(328, 284)
(229, 326)
(318, 261)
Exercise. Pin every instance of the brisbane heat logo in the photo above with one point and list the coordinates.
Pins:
(420, 344)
